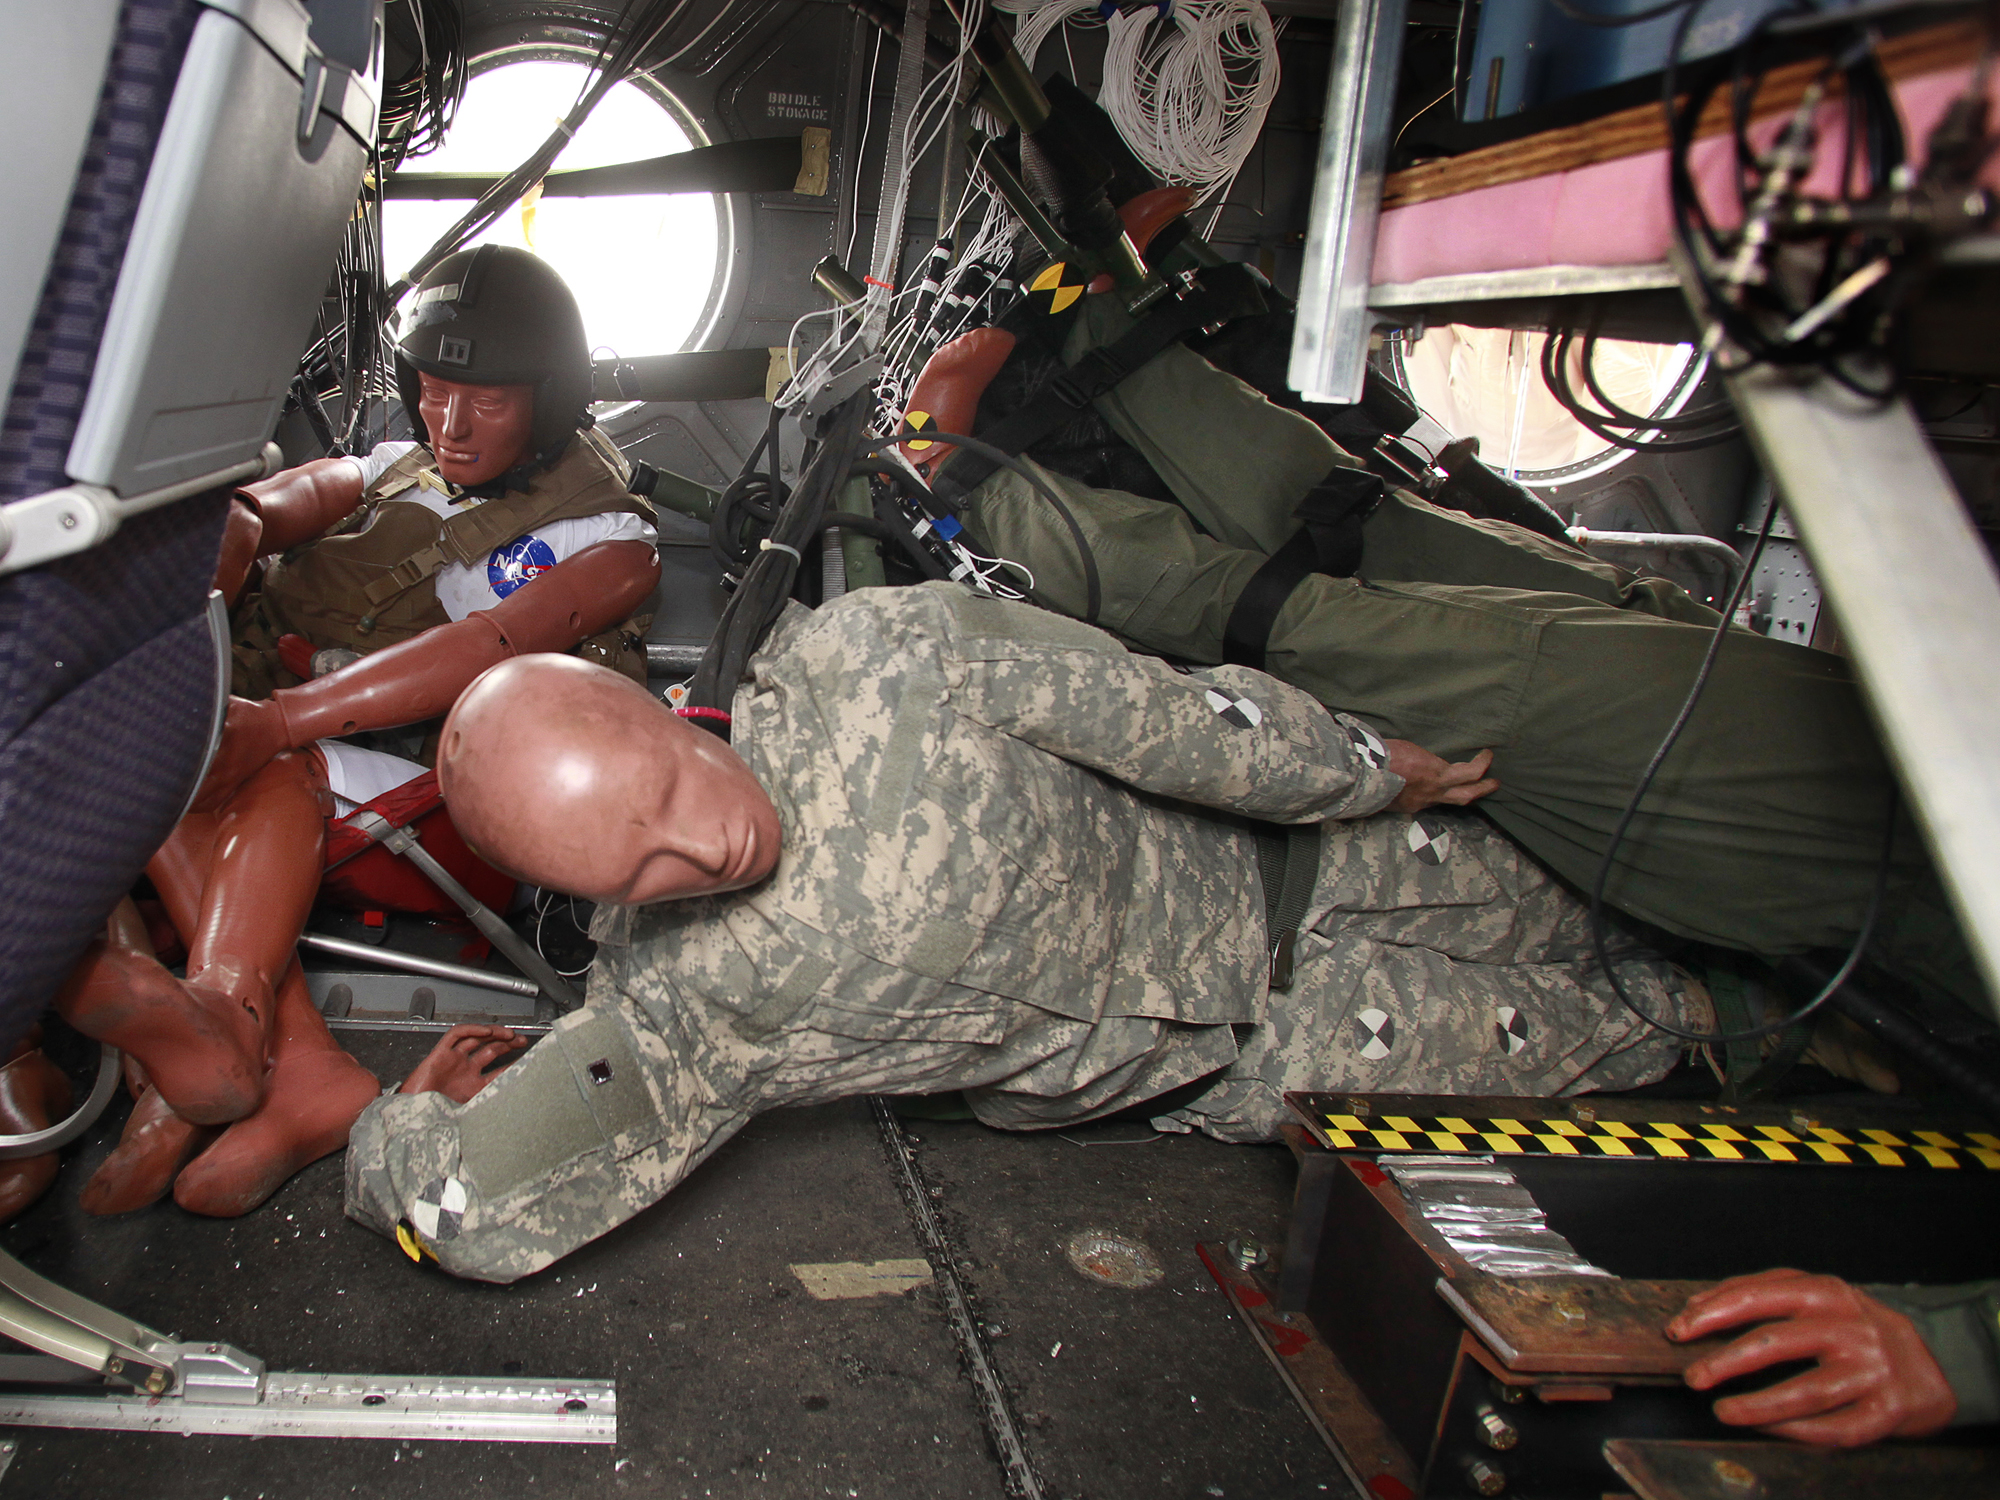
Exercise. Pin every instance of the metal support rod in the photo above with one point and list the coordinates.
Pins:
(1690, 541)
(410, 963)
(1918, 602)
(1330, 338)
(490, 923)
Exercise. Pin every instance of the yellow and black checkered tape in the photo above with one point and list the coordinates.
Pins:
(1057, 286)
(1804, 1145)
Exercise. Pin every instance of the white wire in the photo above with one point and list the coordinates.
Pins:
(1188, 95)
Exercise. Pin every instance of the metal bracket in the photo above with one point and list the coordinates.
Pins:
(1330, 338)
(156, 1383)
(1917, 598)
(62, 1132)
(59, 523)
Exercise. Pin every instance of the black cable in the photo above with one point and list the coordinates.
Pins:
(1555, 350)
(1093, 589)
(1598, 943)
(1617, 416)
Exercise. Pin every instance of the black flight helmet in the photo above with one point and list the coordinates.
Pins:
(499, 316)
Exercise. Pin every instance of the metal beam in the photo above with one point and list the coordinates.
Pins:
(1918, 601)
(294, 1404)
(1330, 338)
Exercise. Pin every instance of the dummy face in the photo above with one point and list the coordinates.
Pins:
(478, 432)
(575, 778)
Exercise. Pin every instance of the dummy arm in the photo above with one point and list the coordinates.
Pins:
(421, 677)
(284, 511)
(1874, 1377)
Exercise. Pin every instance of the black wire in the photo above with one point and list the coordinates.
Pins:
(1555, 351)
(1598, 943)
(1614, 23)
(1093, 588)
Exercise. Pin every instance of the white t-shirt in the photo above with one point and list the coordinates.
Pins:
(463, 588)
(357, 775)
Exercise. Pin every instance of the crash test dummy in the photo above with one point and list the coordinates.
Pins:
(1885, 1361)
(956, 843)
(507, 527)
(1260, 540)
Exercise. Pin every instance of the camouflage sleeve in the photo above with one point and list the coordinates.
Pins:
(1960, 1325)
(1225, 737)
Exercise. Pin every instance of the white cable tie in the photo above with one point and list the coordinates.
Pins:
(767, 545)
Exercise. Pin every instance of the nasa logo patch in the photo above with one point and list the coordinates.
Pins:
(523, 558)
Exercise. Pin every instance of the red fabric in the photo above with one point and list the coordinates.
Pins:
(296, 652)
(362, 875)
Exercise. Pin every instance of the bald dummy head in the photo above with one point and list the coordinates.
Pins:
(575, 778)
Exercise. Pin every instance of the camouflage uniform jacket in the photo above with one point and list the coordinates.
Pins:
(999, 850)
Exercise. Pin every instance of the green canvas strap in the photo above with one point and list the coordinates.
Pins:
(1288, 862)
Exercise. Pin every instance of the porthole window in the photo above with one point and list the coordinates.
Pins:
(1487, 383)
(643, 266)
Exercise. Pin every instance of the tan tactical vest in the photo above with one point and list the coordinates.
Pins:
(367, 589)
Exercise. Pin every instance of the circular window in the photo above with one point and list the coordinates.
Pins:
(1487, 383)
(643, 265)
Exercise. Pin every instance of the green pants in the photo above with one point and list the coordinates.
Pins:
(1764, 827)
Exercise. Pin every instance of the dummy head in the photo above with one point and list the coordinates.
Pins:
(478, 432)
(497, 316)
(575, 778)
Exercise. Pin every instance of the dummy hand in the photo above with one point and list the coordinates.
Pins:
(457, 1065)
(252, 733)
(1430, 779)
(1875, 1377)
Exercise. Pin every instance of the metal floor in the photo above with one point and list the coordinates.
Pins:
(732, 1380)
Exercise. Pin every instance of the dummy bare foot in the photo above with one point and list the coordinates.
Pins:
(202, 1048)
(33, 1094)
(156, 1144)
(313, 1100)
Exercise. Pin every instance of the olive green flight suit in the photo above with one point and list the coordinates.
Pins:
(1764, 827)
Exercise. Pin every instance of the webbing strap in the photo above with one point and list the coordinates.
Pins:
(1288, 862)
(1226, 292)
(1328, 541)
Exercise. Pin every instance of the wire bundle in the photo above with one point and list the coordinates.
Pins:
(1190, 98)
(623, 53)
(418, 103)
(1771, 310)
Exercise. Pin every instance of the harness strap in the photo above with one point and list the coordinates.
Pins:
(1226, 292)
(1328, 541)
(1288, 862)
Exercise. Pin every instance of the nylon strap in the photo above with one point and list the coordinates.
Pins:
(1227, 291)
(1288, 862)
(1328, 541)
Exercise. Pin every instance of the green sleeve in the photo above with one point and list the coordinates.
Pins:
(1960, 1325)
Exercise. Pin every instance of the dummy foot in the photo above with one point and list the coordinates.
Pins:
(313, 1100)
(202, 1049)
(155, 1145)
(33, 1094)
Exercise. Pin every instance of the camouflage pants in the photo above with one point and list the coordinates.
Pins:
(1442, 961)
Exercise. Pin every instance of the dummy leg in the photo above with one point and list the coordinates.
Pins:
(155, 1145)
(1765, 824)
(1469, 976)
(316, 1091)
(239, 886)
(33, 1095)
(204, 1050)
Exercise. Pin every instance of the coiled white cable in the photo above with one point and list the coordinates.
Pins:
(1189, 95)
